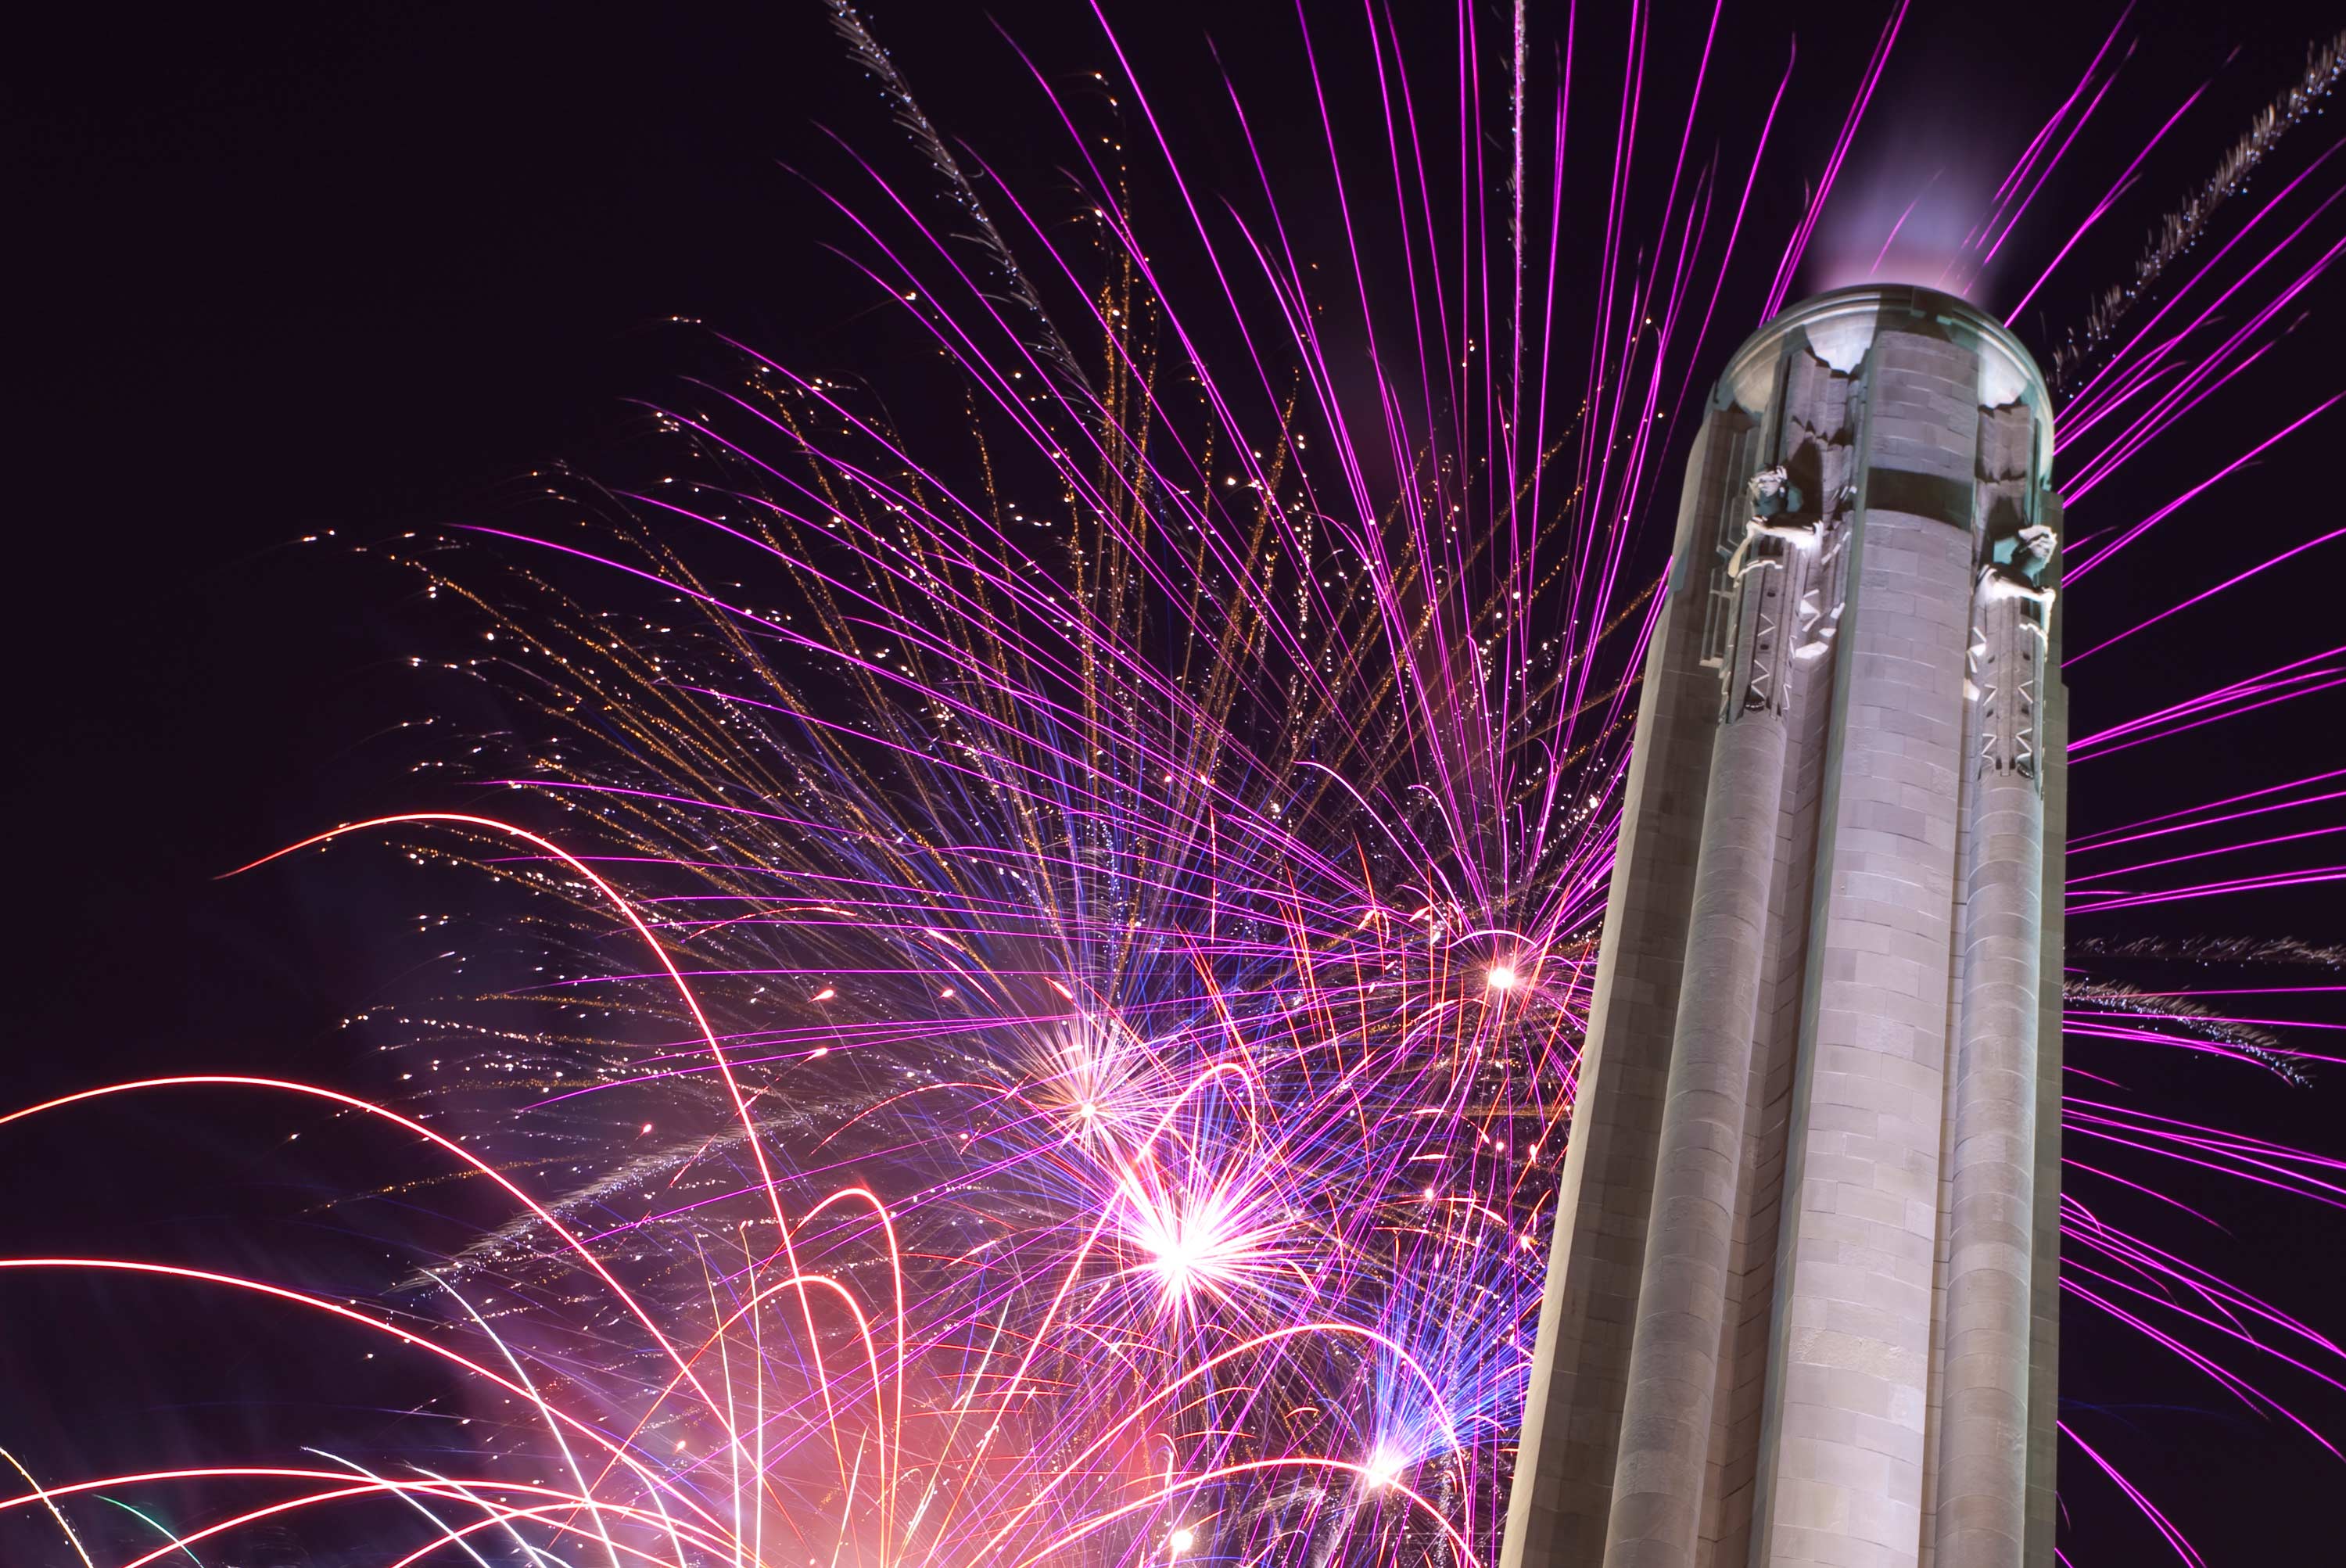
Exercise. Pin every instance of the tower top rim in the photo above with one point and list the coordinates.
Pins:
(1850, 315)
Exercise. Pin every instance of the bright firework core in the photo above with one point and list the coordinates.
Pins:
(1190, 1244)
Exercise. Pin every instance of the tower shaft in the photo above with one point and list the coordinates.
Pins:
(1801, 1306)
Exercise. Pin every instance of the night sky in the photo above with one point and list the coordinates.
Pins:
(358, 269)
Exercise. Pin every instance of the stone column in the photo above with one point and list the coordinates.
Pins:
(1673, 1377)
(2045, 1358)
(1562, 1483)
(1984, 1438)
(1849, 1375)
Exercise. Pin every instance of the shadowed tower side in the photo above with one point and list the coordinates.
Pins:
(1801, 1303)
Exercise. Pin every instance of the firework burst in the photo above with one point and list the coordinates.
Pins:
(1061, 935)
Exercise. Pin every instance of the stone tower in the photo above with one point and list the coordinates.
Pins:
(1802, 1303)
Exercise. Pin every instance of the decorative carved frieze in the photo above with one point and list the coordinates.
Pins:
(2012, 612)
(1769, 575)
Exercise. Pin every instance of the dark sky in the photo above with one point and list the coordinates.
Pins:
(356, 269)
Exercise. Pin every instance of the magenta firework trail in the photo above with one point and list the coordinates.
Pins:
(1061, 929)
